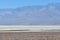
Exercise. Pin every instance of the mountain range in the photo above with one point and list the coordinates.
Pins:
(31, 15)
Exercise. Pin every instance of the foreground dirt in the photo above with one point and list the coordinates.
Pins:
(29, 35)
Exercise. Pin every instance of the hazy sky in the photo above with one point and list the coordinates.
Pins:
(20, 3)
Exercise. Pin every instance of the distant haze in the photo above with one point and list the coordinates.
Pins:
(31, 15)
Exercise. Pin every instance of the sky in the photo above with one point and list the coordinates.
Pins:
(20, 3)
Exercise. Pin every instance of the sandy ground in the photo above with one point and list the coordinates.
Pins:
(30, 36)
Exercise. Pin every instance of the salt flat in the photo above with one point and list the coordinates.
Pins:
(28, 27)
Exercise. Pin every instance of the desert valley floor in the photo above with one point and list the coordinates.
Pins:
(29, 35)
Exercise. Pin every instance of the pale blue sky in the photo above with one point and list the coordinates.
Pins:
(20, 3)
